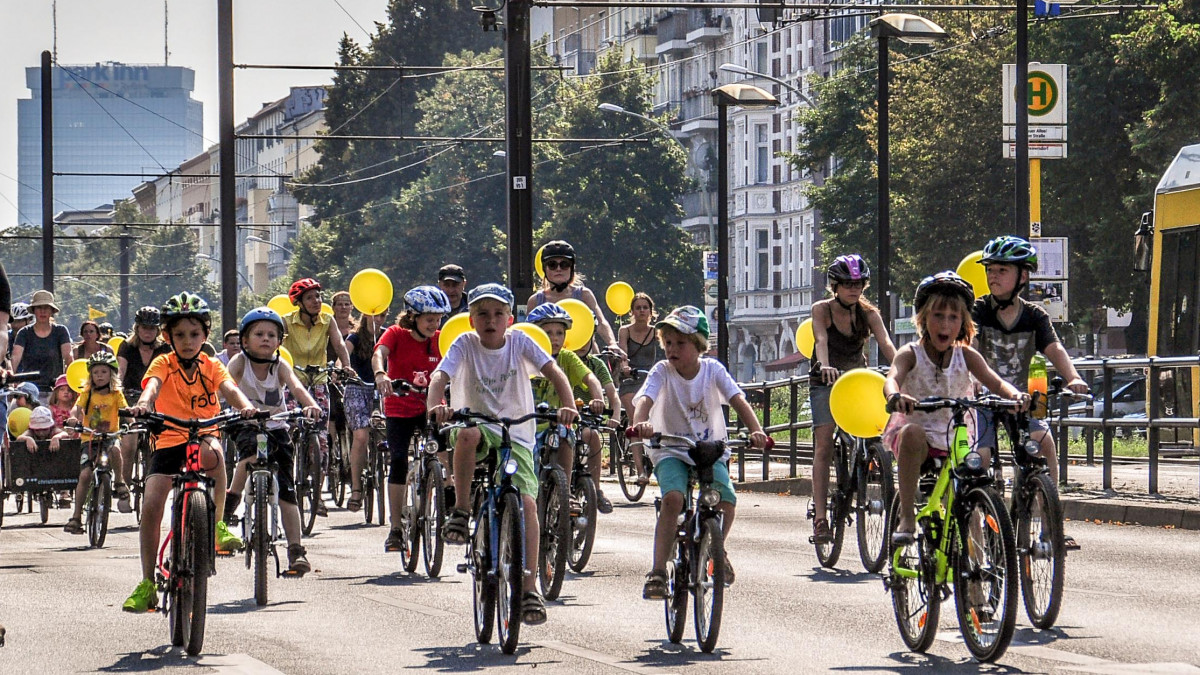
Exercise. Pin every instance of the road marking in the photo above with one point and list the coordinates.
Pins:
(1122, 668)
(236, 664)
(1037, 651)
(598, 657)
(410, 606)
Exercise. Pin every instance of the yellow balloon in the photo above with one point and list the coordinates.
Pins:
(583, 323)
(326, 308)
(286, 355)
(974, 273)
(18, 421)
(456, 326)
(281, 305)
(619, 297)
(77, 375)
(115, 342)
(535, 331)
(371, 291)
(537, 262)
(805, 339)
(858, 404)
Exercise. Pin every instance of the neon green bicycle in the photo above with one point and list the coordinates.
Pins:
(964, 540)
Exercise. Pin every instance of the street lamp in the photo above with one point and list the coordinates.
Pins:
(260, 240)
(742, 70)
(910, 29)
(205, 256)
(746, 96)
(614, 108)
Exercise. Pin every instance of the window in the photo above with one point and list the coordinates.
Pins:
(762, 57)
(762, 154)
(764, 260)
(1177, 322)
(841, 28)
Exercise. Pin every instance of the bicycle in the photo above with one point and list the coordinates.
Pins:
(306, 442)
(621, 455)
(696, 562)
(338, 475)
(583, 494)
(334, 465)
(98, 502)
(963, 537)
(374, 474)
(1037, 515)
(554, 509)
(182, 572)
(495, 551)
(860, 490)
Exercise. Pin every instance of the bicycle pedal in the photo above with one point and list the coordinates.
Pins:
(462, 568)
(291, 574)
(225, 554)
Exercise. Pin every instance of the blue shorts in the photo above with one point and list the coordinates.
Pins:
(987, 428)
(672, 475)
(818, 401)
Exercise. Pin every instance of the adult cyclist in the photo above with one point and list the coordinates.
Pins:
(133, 358)
(308, 336)
(561, 282)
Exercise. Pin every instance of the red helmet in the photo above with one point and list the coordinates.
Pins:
(300, 287)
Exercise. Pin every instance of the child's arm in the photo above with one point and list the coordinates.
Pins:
(236, 399)
(145, 402)
(75, 415)
(237, 367)
(886, 349)
(54, 445)
(902, 364)
(566, 409)
(641, 416)
(30, 443)
(383, 384)
(979, 368)
(614, 401)
(311, 409)
(1062, 363)
(438, 411)
(820, 314)
(593, 384)
(746, 414)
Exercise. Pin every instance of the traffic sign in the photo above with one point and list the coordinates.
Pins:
(1041, 133)
(1038, 150)
(1046, 93)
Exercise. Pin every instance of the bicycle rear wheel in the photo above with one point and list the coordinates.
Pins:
(836, 505)
(433, 506)
(312, 491)
(138, 486)
(710, 584)
(368, 497)
(554, 514)
(876, 486)
(985, 575)
(621, 455)
(583, 523)
(411, 521)
(260, 536)
(98, 511)
(510, 563)
(1041, 552)
(339, 463)
(676, 602)
(483, 598)
(380, 478)
(916, 600)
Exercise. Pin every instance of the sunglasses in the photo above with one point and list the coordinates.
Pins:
(557, 264)
(853, 284)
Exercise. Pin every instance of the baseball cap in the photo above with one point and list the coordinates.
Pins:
(453, 272)
(686, 320)
(41, 418)
(493, 291)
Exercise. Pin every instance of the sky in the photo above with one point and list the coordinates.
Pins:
(131, 31)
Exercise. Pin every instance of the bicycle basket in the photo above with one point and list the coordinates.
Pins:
(706, 453)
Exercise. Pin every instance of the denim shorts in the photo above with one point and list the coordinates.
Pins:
(987, 428)
(818, 401)
(672, 475)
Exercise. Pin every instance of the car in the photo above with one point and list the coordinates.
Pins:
(1129, 398)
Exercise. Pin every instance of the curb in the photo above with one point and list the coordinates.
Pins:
(1104, 509)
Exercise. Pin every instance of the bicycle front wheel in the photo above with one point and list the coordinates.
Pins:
(98, 511)
(554, 514)
(483, 583)
(311, 490)
(710, 584)
(876, 486)
(339, 463)
(510, 569)
(260, 536)
(836, 502)
(583, 522)
(410, 521)
(985, 571)
(622, 456)
(380, 481)
(1041, 552)
(916, 600)
(189, 576)
(433, 507)
(676, 602)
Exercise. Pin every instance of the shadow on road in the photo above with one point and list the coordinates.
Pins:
(909, 662)
(825, 575)
(472, 656)
(150, 660)
(667, 653)
(249, 605)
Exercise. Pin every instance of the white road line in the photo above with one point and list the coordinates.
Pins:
(598, 657)
(1037, 651)
(410, 606)
(236, 664)
(1140, 668)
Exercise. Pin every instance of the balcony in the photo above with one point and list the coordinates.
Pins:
(672, 34)
(642, 48)
(706, 27)
(698, 114)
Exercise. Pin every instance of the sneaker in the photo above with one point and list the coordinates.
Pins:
(124, 505)
(602, 503)
(144, 598)
(232, 501)
(394, 541)
(226, 540)
(297, 563)
(322, 510)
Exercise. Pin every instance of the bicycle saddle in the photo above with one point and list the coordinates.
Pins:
(706, 453)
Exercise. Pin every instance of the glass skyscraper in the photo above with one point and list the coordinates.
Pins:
(108, 117)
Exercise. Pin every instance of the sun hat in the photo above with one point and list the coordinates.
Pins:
(43, 299)
(41, 419)
(61, 382)
(490, 291)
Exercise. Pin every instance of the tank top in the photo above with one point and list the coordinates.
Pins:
(643, 355)
(845, 351)
(927, 379)
(266, 394)
(540, 296)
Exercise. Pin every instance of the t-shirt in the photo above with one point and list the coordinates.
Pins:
(361, 366)
(690, 408)
(1010, 350)
(495, 381)
(572, 365)
(186, 397)
(100, 411)
(43, 354)
(135, 370)
(599, 368)
(408, 359)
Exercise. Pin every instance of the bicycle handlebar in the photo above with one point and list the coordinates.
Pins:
(989, 402)
(408, 387)
(471, 417)
(27, 376)
(194, 424)
(657, 438)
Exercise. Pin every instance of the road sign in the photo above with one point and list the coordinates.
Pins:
(709, 261)
(1038, 150)
(1036, 134)
(1046, 94)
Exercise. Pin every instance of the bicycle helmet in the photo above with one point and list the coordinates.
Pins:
(1011, 250)
(427, 300)
(106, 327)
(300, 287)
(20, 312)
(943, 283)
(548, 312)
(103, 358)
(186, 306)
(849, 268)
(261, 314)
(147, 316)
(558, 249)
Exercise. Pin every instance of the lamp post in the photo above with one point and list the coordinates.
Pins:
(742, 70)
(260, 240)
(746, 96)
(205, 256)
(912, 30)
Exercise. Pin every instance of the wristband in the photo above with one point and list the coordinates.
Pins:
(380, 372)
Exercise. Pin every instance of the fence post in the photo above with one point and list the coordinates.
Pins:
(766, 459)
(794, 412)
(1151, 432)
(1106, 470)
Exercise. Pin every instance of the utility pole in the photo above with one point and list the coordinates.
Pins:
(47, 172)
(1021, 217)
(125, 316)
(519, 147)
(227, 165)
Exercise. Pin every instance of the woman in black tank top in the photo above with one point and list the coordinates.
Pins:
(639, 340)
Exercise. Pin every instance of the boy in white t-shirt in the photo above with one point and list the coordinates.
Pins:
(488, 371)
(682, 396)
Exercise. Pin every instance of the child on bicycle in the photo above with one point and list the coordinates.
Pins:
(185, 384)
(97, 409)
(406, 351)
(488, 371)
(1011, 330)
(940, 363)
(682, 396)
(841, 325)
(556, 322)
(263, 378)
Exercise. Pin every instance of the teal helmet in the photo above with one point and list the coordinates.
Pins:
(1010, 250)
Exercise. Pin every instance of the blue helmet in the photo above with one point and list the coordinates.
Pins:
(261, 314)
(548, 312)
(427, 300)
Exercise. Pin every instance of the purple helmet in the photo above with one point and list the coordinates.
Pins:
(849, 268)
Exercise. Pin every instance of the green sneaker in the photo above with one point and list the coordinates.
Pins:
(226, 540)
(144, 598)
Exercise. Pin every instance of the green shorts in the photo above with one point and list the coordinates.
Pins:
(672, 475)
(525, 479)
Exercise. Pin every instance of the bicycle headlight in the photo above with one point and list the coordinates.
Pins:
(711, 497)
(973, 464)
(510, 467)
(1033, 448)
(431, 447)
(102, 460)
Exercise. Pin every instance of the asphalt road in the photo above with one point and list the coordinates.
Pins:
(1132, 605)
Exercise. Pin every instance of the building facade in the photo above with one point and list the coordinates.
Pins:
(108, 117)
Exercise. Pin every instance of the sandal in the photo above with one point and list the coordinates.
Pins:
(1069, 543)
(354, 503)
(655, 587)
(122, 492)
(74, 526)
(643, 480)
(533, 609)
(821, 533)
(729, 573)
(457, 529)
